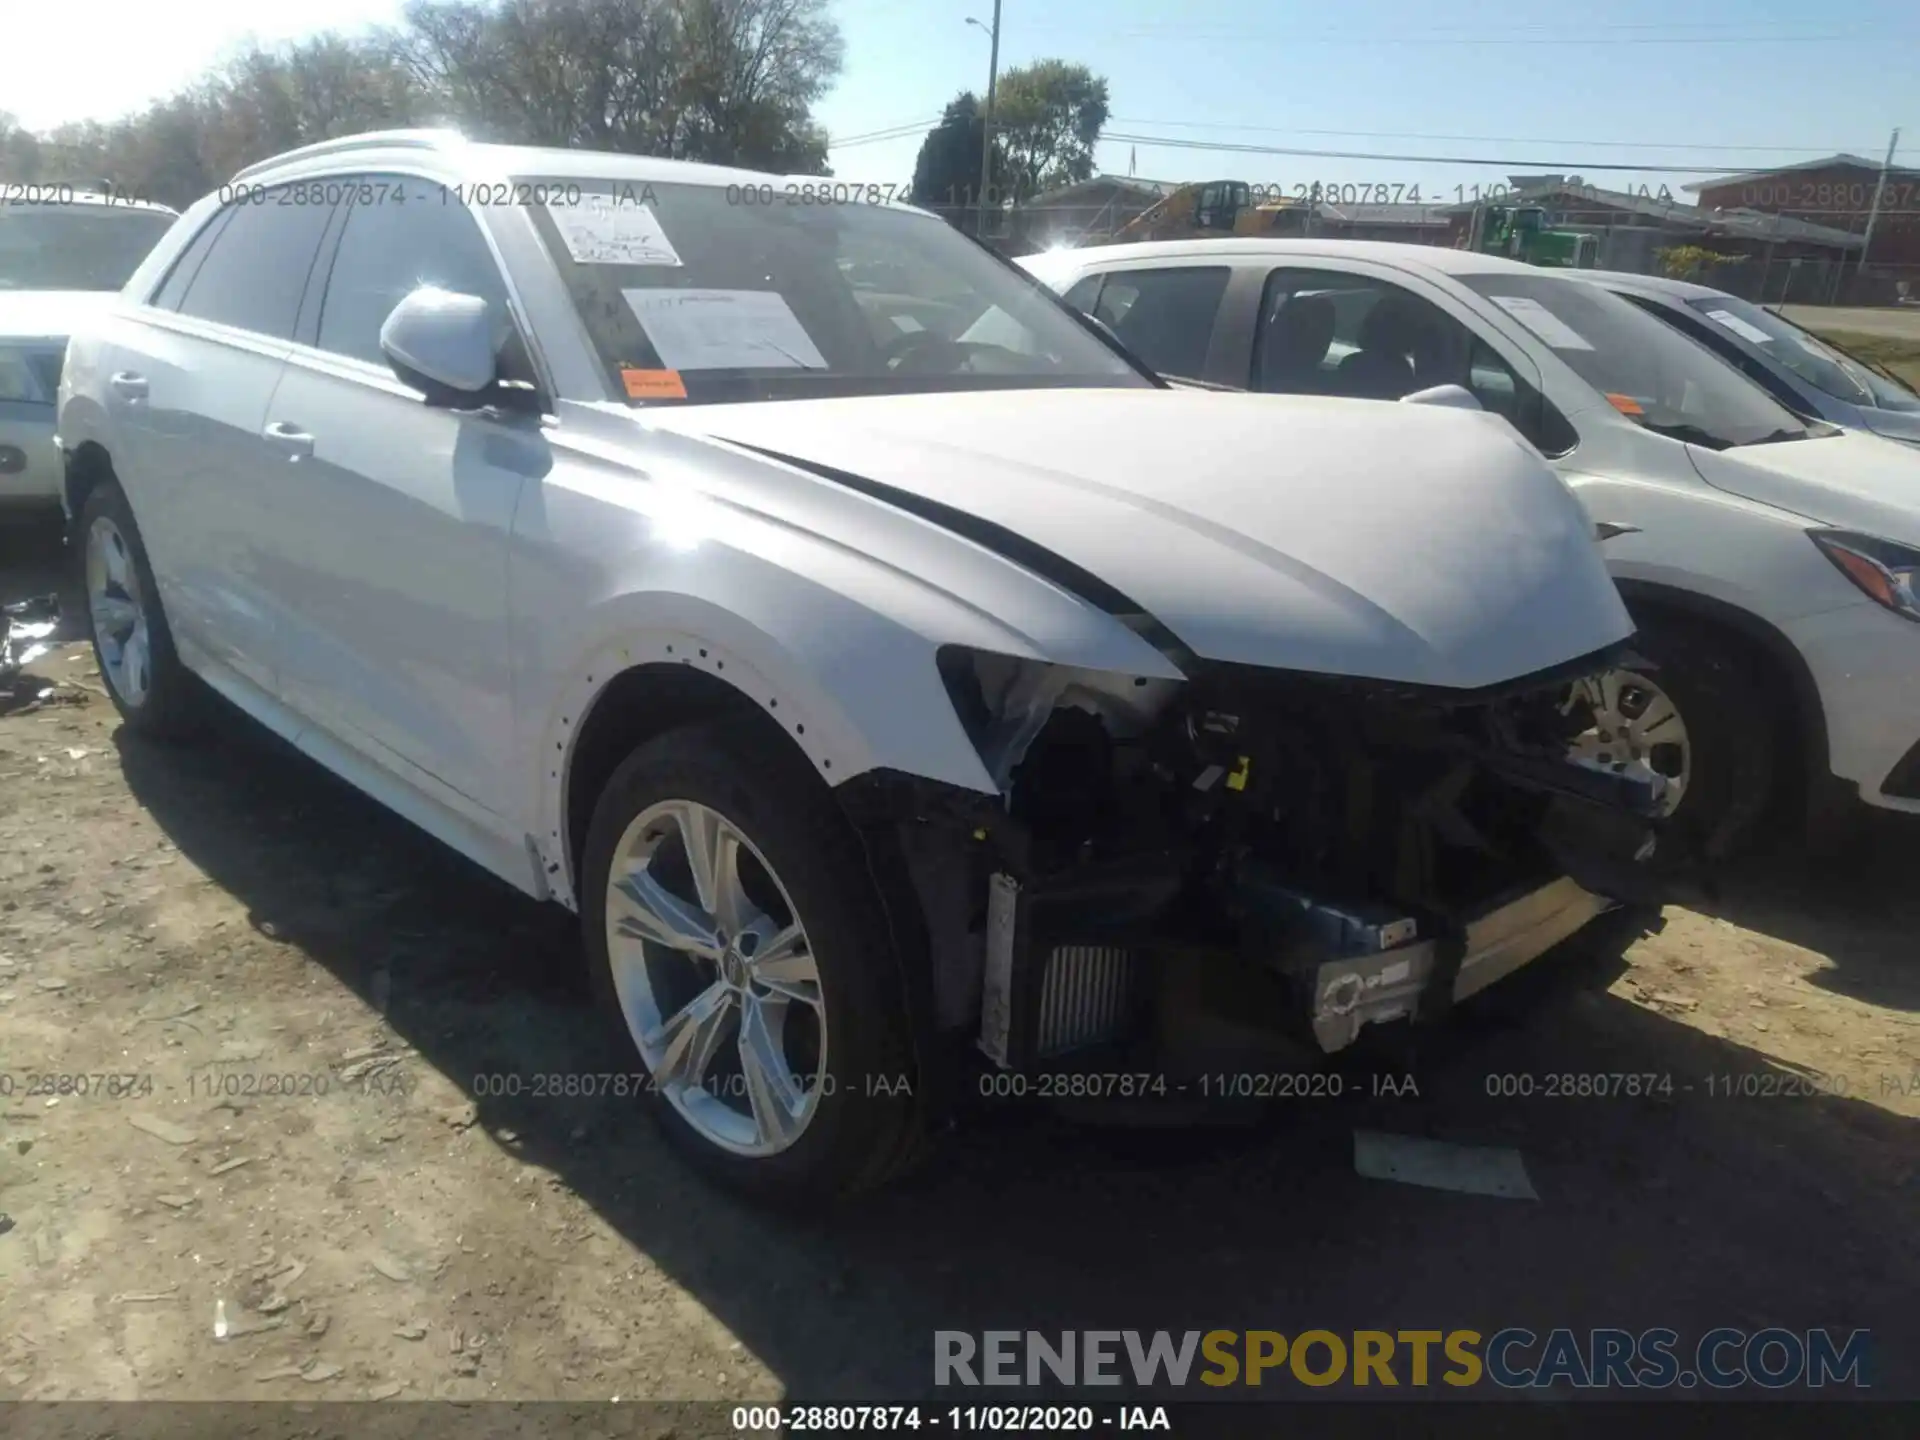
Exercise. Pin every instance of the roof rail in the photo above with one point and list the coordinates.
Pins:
(345, 144)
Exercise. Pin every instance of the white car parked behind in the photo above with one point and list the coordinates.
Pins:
(669, 541)
(64, 254)
(1770, 563)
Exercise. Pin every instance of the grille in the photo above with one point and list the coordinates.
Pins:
(1085, 997)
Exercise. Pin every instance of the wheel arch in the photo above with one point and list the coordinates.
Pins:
(1804, 714)
(646, 682)
(87, 466)
(644, 700)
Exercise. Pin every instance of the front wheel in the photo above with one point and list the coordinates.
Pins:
(735, 936)
(1691, 708)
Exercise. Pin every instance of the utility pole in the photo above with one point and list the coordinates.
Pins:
(1878, 190)
(986, 126)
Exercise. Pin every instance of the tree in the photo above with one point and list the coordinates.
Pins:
(728, 81)
(1693, 262)
(947, 173)
(1047, 118)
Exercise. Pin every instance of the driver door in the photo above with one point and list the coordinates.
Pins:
(391, 554)
(1335, 330)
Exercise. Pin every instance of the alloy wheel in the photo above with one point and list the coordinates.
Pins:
(716, 978)
(119, 612)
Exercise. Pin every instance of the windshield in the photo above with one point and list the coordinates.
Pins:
(74, 247)
(1645, 368)
(1821, 362)
(1816, 363)
(696, 293)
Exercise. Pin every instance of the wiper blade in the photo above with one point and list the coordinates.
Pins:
(1778, 436)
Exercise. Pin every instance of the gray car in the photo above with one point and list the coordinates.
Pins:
(1809, 375)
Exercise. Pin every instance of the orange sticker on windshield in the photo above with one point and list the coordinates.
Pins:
(1625, 404)
(654, 384)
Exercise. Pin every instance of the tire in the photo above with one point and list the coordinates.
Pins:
(1733, 729)
(866, 1124)
(156, 695)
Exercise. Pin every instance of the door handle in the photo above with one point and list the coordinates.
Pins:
(129, 385)
(290, 438)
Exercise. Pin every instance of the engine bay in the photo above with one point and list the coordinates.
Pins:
(1373, 850)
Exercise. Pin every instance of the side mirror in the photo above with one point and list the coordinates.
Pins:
(1457, 397)
(444, 344)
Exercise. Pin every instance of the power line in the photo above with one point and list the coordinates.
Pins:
(1170, 142)
(1489, 139)
(891, 132)
(1507, 38)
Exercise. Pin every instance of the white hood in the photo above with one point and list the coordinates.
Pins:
(50, 314)
(1852, 480)
(1346, 537)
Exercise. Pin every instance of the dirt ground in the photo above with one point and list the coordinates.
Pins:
(200, 920)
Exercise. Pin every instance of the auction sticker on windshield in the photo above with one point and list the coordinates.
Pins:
(1542, 322)
(1740, 327)
(602, 230)
(724, 330)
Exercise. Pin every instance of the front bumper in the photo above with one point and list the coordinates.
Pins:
(1069, 968)
(30, 463)
(1865, 664)
(1356, 991)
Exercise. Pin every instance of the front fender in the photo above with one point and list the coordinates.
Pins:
(876, 703)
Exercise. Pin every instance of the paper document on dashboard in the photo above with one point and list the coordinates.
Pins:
(609, 230)
(724, 330)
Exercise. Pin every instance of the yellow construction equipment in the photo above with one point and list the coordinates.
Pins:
(1209, 208)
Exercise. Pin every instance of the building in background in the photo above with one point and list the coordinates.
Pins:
(1837, 192)
(1767, 258)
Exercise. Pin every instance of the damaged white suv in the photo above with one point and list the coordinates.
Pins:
(673, 542)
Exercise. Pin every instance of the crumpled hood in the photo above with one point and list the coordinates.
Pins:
(1853, 480)
(1396, 542)
(50, 314)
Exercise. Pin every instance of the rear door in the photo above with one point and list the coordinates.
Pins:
(189, 381)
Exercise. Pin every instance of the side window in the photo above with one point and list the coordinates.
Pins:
(168, 296)
(1081, 296)
(1165, 317)
(1324, 332)
(401, 234)
(256, 269)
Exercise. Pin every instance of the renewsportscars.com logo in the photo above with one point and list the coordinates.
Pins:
(1514, 1358)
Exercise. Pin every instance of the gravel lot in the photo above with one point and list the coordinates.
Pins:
(183, 916)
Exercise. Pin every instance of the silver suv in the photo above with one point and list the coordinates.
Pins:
(851, 633)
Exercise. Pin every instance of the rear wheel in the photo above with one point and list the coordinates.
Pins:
(735, 936)
(1696, 711)
(155, 694)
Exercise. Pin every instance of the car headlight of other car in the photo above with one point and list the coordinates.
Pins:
(30, 375)
(1888, 572)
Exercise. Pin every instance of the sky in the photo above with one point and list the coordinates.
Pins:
(1679, 91)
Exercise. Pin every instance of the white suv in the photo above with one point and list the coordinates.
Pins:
(64, 254)
(1772, 564)
(672, 542)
